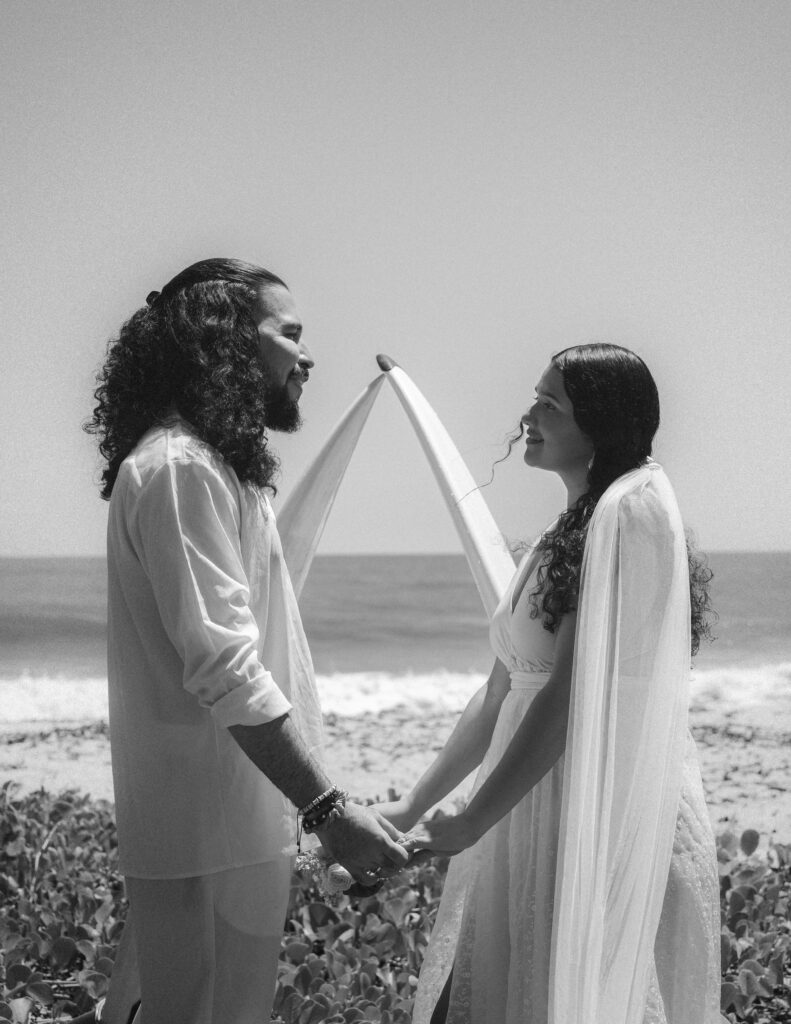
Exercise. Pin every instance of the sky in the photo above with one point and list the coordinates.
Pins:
(467, 187)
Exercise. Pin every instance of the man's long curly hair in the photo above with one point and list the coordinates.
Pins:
(616, 405)
(192, 349)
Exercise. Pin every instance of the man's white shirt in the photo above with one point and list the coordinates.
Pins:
(203, 632)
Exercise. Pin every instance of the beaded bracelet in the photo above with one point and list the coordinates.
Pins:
(334, 811)
(324, 808)
(333, 791)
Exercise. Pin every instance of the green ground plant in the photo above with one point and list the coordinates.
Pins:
(62, 910)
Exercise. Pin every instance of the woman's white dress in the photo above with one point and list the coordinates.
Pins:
(502, 955)
(498, 910)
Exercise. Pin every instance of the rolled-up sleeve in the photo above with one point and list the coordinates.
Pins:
(187, 533)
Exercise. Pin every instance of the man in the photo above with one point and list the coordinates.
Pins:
(214, 719)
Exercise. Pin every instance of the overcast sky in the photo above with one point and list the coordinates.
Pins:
(468, 187)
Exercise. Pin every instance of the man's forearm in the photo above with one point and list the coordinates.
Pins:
(277, 749)
(355, 839)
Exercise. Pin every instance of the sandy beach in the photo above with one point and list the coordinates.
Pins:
(744, 747)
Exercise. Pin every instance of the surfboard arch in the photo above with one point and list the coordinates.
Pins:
(304, 514)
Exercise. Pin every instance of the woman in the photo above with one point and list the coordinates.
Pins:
(587, 892)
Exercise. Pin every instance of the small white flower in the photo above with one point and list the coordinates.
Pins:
(338, 878)
(331, 878)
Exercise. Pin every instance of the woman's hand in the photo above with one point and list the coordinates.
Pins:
(443, 835)
(398, 813)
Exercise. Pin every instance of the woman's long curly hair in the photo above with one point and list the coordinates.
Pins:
(192, 349)
(616, 405)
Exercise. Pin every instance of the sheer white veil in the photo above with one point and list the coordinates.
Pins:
(624, 774)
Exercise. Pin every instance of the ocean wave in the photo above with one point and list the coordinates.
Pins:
(757, 695)
(359, 693)
(29, 701)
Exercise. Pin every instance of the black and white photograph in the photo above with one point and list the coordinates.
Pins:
(395, 547)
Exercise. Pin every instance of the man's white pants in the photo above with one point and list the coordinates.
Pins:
(207, 947)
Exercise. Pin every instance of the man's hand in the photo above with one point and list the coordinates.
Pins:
(364, 843)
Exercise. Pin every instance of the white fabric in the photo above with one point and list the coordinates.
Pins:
(494, 924)
(304, 513)
(208, 947)
(624, 771)
(533, 681)
(554, 916)
(204, 632)
(487, 554)
(687, 944)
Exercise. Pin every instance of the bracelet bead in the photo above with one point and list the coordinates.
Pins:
(320, 814)
(326, 807)
(332, 791)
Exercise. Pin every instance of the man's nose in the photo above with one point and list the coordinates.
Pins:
(305, 358)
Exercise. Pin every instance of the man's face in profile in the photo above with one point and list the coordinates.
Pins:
(284, 356)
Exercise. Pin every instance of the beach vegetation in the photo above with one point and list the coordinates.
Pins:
(62, 911)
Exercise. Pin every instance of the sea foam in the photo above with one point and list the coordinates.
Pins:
(32, 701)
(754, 696)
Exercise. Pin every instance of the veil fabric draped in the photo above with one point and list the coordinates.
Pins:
(630, 797)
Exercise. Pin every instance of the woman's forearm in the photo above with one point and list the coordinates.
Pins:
(465, 747)
(537, 744)
(534, 749)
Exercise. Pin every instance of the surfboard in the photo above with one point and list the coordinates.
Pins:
(302, 518)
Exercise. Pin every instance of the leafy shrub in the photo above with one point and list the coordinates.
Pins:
(359, 960)
(756, 934)
(61, 903)
(62, 910)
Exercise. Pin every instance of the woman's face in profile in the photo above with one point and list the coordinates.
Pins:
(553, 441)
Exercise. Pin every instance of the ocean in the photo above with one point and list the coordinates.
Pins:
(383, 629)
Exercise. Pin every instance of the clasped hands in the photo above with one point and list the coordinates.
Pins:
(379, 841)
(448, 835)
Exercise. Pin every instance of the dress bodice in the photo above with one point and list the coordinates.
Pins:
(518, 640)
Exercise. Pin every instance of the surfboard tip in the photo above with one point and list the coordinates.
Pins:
(385, 362)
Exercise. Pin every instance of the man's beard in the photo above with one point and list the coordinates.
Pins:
(282, 412)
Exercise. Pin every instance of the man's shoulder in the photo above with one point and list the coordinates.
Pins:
(172, 443)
